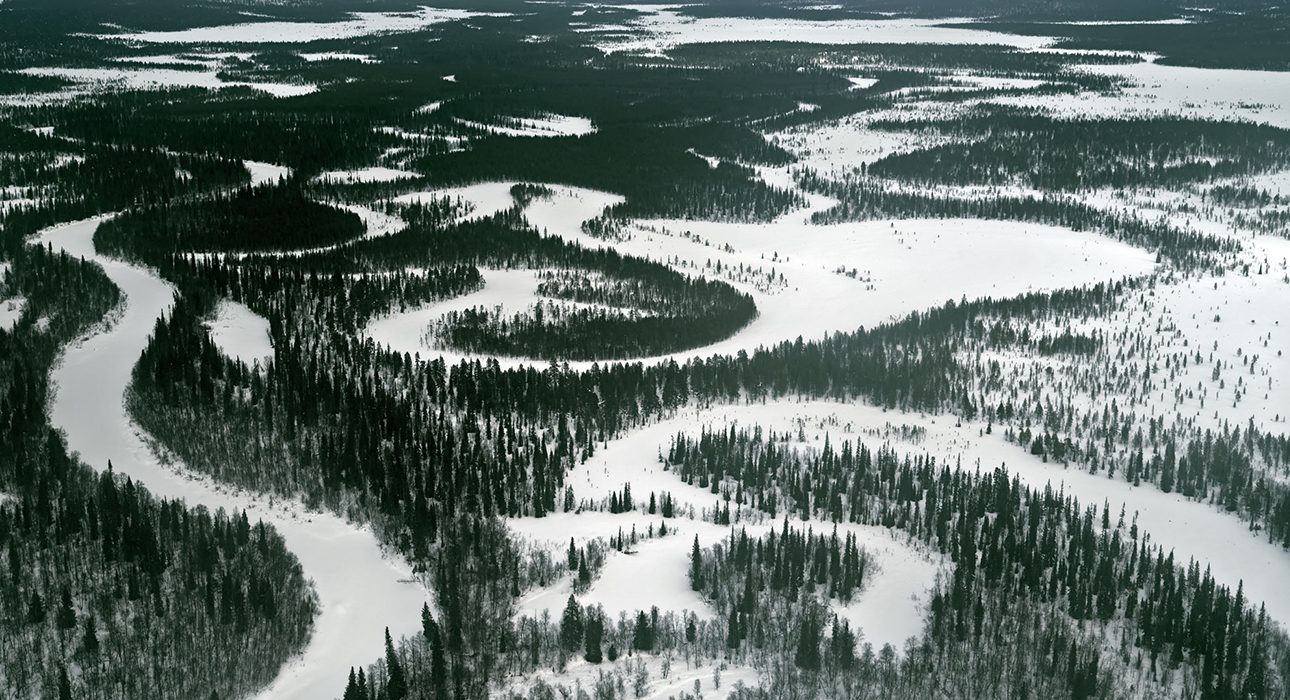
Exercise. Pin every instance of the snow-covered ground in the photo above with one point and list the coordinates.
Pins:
(1203, 93)
(11, 311)
(1191, 530)
(360, 589)
(550, 125)
(662, 28)
(404, 331)
(158, 78)
(265, 173)
(241, 333)
(375, 174)
(902, 266)
(359, 24)
(889, 610)
(484, 199)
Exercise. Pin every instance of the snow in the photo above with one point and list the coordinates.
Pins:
(1190, 529)
(485, 198)
(338, 56)
(156, 78)
(663, 28)
(241, 333)
(376, 174)
(889, 610)
(11, 311)
(265, 173)
(360, 24)
(361, 591)
(1205, 93)
(430, 108)
(862, 83)
(404, 331)
(377, 223)
(550, 125)
(905, 266)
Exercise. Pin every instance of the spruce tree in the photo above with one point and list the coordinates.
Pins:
(696, 567)
(396, 687)
(571, 625)
(593, 634)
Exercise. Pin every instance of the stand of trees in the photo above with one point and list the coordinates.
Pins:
(862, 198)
(268, 217)
(1000, 146)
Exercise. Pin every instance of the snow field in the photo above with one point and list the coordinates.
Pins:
(241, 333)
(549, 126)
(404, 331)
(359, 24)
(662, 28)
(902, 266)
(265, 173)
(888, 611)
(360, 589)
(484, 199)
(1190, 529)
(11, 311)
(681, 677)
(157, 78)
(366, 175)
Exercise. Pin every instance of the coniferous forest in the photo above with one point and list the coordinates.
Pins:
(740, 350)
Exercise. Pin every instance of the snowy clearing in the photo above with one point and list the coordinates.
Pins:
(361, 24)
(1204, 93)
(484, 199)
(360, 590)
(405, 330)
(265, 173)
(11, 311)
(901, 266)
(663, 29)
(241, 333)
(375, 174)
(1190, 529)
(157, 78)
(548, 126)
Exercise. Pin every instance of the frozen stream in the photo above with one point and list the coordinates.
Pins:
(360, 590)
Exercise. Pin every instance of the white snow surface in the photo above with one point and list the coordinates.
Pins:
(359, 24)
(911, 265)
(375, 174)
(11, 311)
(485, 198)
(403, 330)
(549, 125)
(1204, 93)
(241, 333)
(664, 28)
(265, 173)
(338, 56)
(361, 591)
(156, 78)
(889, 610)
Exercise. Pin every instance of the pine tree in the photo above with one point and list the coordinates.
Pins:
(571, 625)
(66, 616)
(642, 639)
(64, 685)
(396, 687)
(90, 641)
(807, 657)
(696, 567)
(593, 635)
(36, 609)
